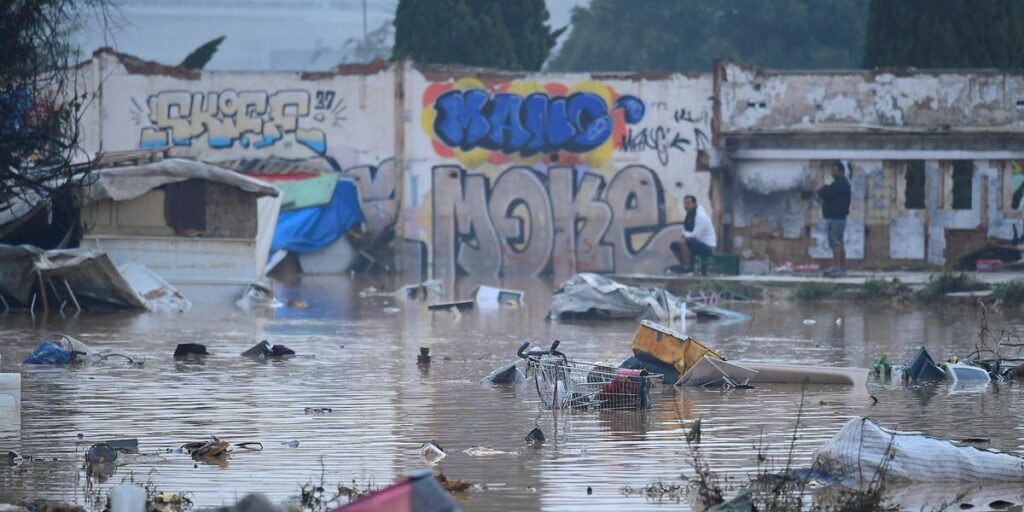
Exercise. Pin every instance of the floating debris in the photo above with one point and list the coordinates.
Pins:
(452, 485)
(482, 451)
(424, 357)
(215, 449)
(536, 436)
(432, 452)
(190, 351)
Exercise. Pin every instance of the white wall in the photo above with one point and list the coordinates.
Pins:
(587, 172)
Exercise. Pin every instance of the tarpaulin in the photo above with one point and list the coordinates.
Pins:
(923, 367)
(311, 229)
(862, 448)
(49, 353)
(91, 275)
(58, 349)
(590, 295)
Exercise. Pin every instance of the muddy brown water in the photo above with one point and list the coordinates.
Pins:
(360, 361)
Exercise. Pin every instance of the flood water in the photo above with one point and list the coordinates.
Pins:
(360, 361)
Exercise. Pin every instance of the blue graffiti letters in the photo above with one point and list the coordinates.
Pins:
(536, 123)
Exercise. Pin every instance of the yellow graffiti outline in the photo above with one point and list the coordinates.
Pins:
(473, 158)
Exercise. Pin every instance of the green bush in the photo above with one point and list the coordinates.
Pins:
(814, 291)
(875, 288)
(947, 282)
(1010, 293)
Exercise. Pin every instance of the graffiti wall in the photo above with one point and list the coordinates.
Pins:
(552, 174)
(477, 174)
(254, 122)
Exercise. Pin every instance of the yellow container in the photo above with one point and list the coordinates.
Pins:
(668, 346)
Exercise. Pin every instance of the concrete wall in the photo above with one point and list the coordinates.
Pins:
(772, 219)
(780, 130)
(496, 174)
(755, 100)
(551, 173)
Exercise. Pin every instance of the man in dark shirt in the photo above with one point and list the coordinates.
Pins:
(835, 206)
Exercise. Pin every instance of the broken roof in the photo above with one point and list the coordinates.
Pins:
(124, 183)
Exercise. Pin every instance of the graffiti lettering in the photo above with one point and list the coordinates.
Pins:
(248, 118)
(324, 99)
(659, 139)
(532, 124)
(376, 186)
(688, 116)
(528, 223)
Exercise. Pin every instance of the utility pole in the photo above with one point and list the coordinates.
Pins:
(364, 21)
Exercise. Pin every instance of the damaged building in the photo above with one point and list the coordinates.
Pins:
(526, 189)
(935, 162)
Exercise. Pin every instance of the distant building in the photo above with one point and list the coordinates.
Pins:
(936, 160)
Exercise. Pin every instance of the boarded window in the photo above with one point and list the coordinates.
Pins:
(913, 192)
(1017, 185)
(963, 182)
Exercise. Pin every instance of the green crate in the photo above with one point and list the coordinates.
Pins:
(726, 264)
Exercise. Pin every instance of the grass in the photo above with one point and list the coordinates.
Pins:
(874, 289)
(811, 291)
(1009, 293)
(948, 282)
(885, 288)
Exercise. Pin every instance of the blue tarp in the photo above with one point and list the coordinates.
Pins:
(312, 229)
(49, 353)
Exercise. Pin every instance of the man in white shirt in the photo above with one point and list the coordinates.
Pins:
(698, 235)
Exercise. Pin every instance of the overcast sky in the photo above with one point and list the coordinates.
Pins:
(260, 34)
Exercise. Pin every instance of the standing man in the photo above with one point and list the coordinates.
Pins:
(835, 206)
(698, 235)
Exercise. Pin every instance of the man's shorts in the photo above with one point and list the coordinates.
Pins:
(836, 228)
(696, 247)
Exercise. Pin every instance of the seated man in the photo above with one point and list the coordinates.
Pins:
(698, 235)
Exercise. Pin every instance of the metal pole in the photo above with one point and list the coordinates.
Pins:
(73, 298)
(42, 293)
(56, 294)
(364, 21)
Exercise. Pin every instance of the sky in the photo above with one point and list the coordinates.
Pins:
(260, 34)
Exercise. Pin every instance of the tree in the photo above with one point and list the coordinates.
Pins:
(945, 34)
(200, 56)
(490, 33)
(40, 106)
(622, 35)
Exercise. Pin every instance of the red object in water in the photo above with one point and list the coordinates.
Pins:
(419, 493)
(624, 381)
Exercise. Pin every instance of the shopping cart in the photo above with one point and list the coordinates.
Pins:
(563, 383)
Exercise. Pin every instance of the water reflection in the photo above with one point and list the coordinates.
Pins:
(360, 361)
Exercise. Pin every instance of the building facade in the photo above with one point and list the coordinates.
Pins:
(935, 161)
(482, 173)
(463, 171)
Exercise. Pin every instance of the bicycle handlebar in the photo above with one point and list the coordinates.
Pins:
(551, 351)
(522, 348)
